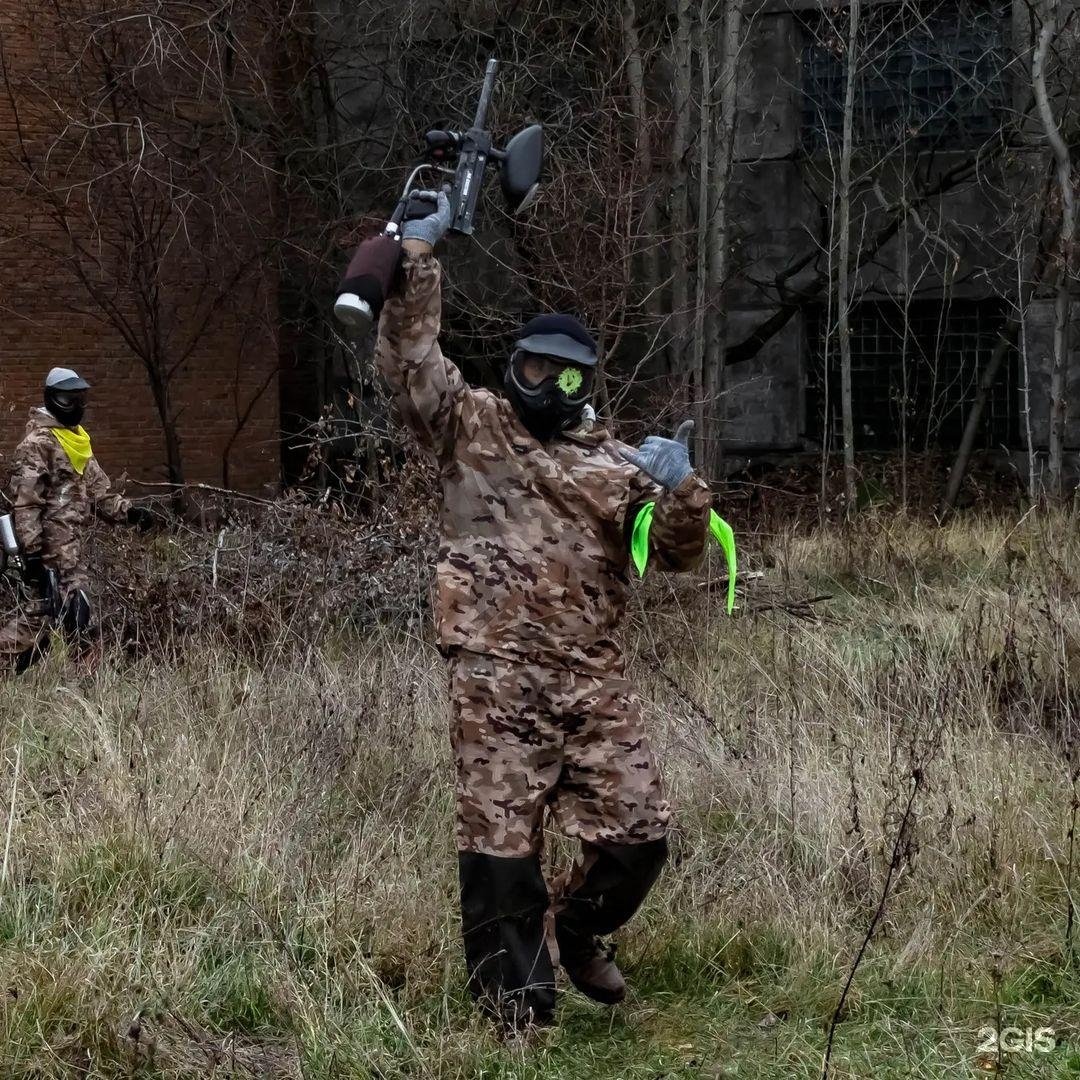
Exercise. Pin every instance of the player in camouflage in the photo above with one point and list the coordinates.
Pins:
(532, 580)
(55, 489)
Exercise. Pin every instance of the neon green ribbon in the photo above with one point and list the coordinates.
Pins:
(724, 535)
(719, 529)
(639, 538)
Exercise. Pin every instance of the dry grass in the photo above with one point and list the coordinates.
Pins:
(228, 867)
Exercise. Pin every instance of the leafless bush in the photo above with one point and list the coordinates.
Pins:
(259, 576)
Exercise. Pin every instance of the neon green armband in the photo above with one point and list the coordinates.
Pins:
(720, 530)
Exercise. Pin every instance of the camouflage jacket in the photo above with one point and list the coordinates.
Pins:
(52, 504)
(534, 547)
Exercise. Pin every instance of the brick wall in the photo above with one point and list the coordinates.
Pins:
(122, 419)
(235, 361)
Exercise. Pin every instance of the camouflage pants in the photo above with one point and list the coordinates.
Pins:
(21, 624)
(25, 629)
(527, 739)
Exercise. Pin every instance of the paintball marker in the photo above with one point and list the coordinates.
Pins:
(10, 552)
(12, 558)
(372, 270)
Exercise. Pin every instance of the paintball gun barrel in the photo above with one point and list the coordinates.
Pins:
(466, 155)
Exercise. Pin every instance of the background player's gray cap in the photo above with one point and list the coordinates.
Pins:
(62, 378)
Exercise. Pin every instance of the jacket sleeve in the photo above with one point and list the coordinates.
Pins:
(680, 524)
(109, 505)
(429, 390)
(27, 489)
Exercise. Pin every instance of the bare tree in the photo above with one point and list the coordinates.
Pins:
(699, 393)
(1037, 236)
(1006, 341)
(844, 280)
(726, 92)
(175, 131)
(128, 139)
(679, 185)
(1025, 389)
(1064, 258)
(643, 154)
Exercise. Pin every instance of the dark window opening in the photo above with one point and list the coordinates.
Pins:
(931, 74)
(913, 384)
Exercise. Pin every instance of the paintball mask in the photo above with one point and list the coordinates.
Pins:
(549, 379)
(65, 396)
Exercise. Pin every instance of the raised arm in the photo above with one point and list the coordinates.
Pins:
(429, 389)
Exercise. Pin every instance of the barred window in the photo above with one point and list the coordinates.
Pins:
(923, 378)
(930, 73)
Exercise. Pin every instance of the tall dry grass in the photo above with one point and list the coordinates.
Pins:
(238, 861)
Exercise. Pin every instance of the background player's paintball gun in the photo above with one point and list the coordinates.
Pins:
(464, 155)
(13, 561)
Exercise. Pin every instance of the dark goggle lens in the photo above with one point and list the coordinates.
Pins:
(69, 399)
(534, 370)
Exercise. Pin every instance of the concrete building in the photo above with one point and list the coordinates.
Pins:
(939, 81)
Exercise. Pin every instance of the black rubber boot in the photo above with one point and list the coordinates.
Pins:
(596, 974)
(612, 883)
(503, 901)
(29, 657)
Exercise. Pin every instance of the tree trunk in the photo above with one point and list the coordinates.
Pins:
(701, 282)
(905, 346)
(680, 203)
(1005, 342)
(1033, 489)
(635, 78)
(1009, 334)
(157, 376)
(715, 317)
(1063, 299)
(844, 283)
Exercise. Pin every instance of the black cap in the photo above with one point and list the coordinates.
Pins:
(558, 335)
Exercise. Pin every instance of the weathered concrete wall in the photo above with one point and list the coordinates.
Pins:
(779, 200)
(770, 215)
(765, 396)
(777, 205)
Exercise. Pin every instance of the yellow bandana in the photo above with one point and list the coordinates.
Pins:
(76, 444)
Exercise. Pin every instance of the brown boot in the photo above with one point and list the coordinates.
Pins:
(596, 975)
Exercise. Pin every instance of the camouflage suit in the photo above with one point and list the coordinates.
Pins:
(52, 506)
(532, 581)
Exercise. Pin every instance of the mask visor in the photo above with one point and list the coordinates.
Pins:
(68, 401)
(533, 372)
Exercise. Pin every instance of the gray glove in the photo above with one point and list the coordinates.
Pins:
(433, 227)
(667, 461)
